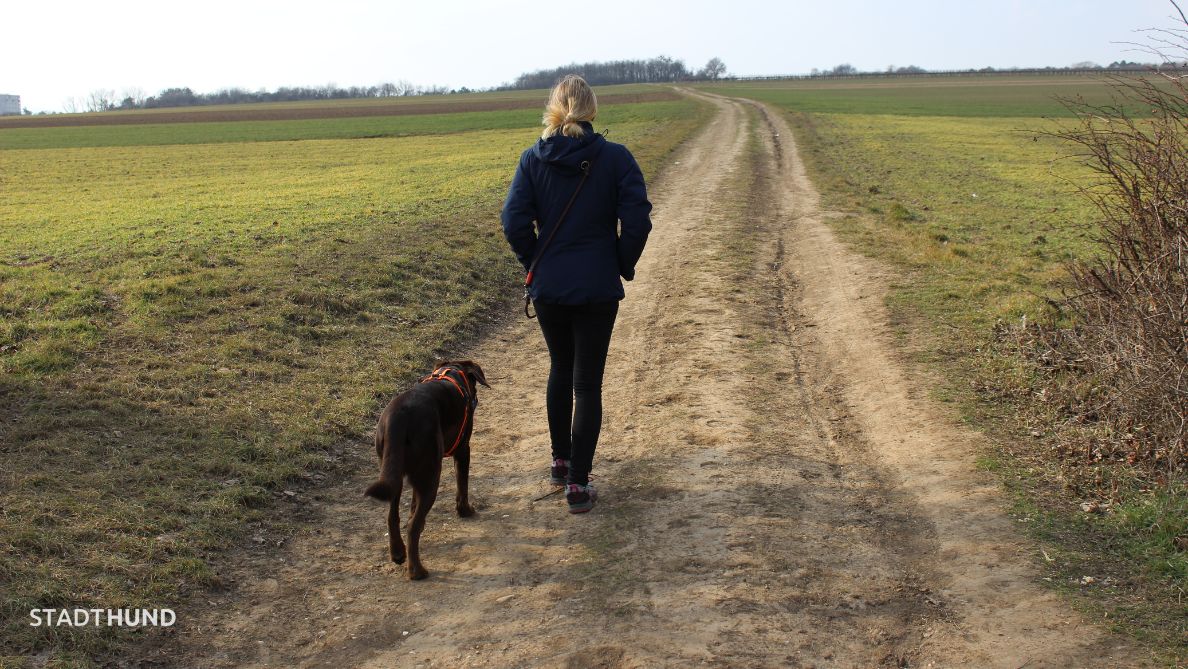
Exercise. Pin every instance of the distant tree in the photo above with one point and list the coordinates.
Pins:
(135, 94)
(844, 68)
(173, 97)
(668, 69)
(910, 69)
(713, 69)
(27, 112)
(1085, 65)
(101, 99)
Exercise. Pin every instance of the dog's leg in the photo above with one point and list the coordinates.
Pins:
(424, 494)
(462, 470)
(395, 543)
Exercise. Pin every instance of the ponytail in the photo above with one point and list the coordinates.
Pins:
(571, 103)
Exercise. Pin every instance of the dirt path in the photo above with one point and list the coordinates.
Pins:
(773, 492)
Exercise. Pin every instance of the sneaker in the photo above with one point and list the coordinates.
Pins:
(559, 471)
(580, 497)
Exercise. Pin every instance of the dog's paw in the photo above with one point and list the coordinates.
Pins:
(465, 511)
(416, 573)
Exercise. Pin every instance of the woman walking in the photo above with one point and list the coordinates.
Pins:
(590, 207)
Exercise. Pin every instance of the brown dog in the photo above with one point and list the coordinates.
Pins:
(419, 428)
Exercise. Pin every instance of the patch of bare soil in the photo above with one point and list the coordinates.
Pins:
(774, 491)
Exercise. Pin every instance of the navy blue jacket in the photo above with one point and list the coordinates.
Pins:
(604, 233)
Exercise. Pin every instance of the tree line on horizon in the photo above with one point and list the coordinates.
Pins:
(654, 70)
(661, 69)
(108, 100)
(846, 69)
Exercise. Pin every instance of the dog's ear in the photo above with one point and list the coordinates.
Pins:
(474, 370)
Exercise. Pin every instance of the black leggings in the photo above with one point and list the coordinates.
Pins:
(578, 338)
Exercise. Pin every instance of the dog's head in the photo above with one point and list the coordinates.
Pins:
(468, 367)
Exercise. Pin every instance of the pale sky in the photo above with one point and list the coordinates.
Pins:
(56, 50)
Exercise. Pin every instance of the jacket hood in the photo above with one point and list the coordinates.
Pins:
(565, 153)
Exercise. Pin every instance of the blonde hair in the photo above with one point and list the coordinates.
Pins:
(571, 102)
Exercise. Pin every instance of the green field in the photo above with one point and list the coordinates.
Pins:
(997, 96)
(197, 317)
(954, 183)
(263, 131)
(197, 125)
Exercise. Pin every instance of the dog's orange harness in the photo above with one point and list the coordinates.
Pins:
(469, 399)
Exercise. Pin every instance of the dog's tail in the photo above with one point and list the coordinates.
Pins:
(389, 440)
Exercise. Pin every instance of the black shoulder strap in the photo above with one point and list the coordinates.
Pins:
(540, 250)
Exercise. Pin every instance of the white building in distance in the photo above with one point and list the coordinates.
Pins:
(10, 104)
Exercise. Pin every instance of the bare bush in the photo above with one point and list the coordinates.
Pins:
(1123, 364)
(101, 99)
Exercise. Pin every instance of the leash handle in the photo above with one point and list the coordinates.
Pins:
(585, 166)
